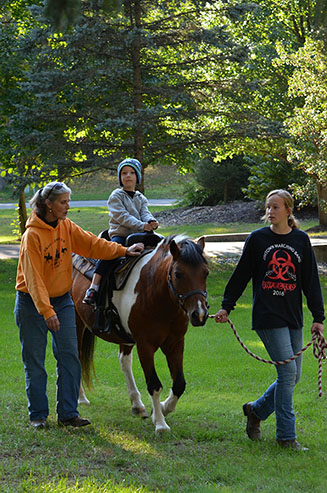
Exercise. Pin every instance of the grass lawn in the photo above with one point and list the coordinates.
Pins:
(207, 449)
(161, 182)
(95, 219)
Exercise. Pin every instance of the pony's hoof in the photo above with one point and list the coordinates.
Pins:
(138, 411)
(84, 400)
(162, 428)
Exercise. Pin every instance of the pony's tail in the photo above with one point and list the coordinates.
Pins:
(88, 345)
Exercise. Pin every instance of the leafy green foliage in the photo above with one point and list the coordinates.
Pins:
(308, 123)
(269, 174)
(16, 22)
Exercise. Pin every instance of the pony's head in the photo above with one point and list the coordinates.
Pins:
(187, 277)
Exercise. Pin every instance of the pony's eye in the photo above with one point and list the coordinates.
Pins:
(178, 275)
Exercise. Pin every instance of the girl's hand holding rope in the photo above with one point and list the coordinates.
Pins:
(317, 328)
(221, 316)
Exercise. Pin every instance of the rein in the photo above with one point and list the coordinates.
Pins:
(181, 298)
(319, 347)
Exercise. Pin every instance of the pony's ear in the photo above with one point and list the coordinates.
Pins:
(174, 249)
(201, 242)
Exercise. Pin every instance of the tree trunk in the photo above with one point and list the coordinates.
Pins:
(22, 213)
(322, 204)
(137, 91)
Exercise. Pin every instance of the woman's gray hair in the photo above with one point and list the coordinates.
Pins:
(51, 192)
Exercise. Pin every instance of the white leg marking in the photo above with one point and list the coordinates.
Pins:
(169, 405)
(82, 399)
(133, 392)
(157, 417)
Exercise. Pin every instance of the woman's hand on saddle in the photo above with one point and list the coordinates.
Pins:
(317, 328)
(221, 316)
(53, 323)
(135, 250)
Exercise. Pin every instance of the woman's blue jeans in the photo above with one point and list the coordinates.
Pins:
(33, 337)
(281, 344)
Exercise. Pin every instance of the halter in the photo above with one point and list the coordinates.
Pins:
(182, 297)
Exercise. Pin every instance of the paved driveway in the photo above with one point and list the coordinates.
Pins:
(9, 251)
(212, 248)
(95, 203)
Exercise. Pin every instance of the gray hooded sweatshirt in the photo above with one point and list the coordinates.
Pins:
(127, 214)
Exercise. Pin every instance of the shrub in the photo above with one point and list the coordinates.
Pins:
(268, 173)
(217, 182)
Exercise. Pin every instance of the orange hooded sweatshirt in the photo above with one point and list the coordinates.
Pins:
(45, 261)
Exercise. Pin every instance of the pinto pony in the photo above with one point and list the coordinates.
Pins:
(165, 290)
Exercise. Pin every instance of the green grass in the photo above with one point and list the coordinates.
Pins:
(95, 219)
(161, 182)
(207, 449)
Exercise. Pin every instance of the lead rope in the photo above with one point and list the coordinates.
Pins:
(319, 346)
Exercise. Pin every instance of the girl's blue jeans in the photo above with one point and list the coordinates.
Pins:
(281, 344)
(33, 332)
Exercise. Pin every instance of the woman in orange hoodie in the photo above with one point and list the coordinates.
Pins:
(43, 301)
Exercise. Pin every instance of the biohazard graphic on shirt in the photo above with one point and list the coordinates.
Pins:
(281, 274)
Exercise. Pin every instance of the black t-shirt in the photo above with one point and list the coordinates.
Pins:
(281, 268)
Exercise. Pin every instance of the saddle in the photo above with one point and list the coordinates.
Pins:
(106, 315)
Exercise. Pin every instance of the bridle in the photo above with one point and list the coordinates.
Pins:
(182, 297)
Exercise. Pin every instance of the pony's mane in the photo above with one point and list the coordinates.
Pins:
(191, 253)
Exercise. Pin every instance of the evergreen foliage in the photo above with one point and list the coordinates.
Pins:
(217, 182)
(157, 80)
(162, 81)
(270, 173)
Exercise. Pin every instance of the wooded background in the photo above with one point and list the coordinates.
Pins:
(234, 92)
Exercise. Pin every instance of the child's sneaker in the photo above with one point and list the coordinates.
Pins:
(90, 297)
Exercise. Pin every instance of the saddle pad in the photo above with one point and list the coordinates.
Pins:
(122, 271)
(83, 264)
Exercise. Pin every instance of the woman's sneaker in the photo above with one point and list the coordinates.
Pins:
(90, 297)
(76, 422)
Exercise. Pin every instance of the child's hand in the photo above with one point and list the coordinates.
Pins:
(135, 249)
(153, 224)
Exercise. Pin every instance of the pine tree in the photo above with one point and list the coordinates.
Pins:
(152, 81)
